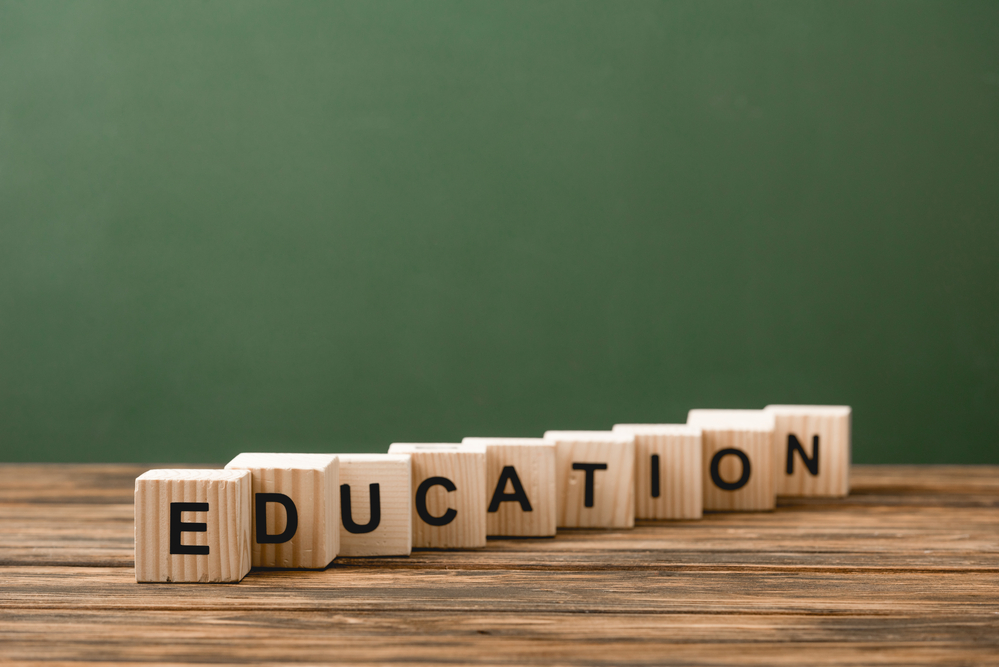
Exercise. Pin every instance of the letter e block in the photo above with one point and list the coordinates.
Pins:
(192, 526)
(296, 508)
(812, 449)
(738, 459)
(668, 470)
(449, 494)
(595, 474)
(376, 505)
(520, 486)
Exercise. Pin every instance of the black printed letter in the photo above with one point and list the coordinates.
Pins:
(376, 510)
(716, 477)
(421, 501)
(290, 527)
(794, 446)
(655, 475)
(501, 496)
(177, 527)
(589, 468)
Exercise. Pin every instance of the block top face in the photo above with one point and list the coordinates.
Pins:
(590, 436)
(819, 410)
(373, 458)
(508, 442)
(430, 447)
(282, 461)
(210, 475)
(658, 429)
(736, 420)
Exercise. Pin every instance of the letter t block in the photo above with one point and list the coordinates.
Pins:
(595, 473)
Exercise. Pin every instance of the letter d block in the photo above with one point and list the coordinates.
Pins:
(595, 473)
(812, 449)
(296, 508)
(449, 494)
(668, 478)
(192, 526)
(376, 505)
(520, 486)
(738, 459)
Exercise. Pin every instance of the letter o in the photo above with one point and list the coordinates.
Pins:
(716, 476)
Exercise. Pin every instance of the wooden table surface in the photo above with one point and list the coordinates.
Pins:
(905, 571)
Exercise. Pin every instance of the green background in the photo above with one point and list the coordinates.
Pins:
(315, 226)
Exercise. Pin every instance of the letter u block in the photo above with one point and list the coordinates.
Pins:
(296, 508)
(192, 526)
(520, 486)
(738, 459)
(812, 449)
(449, 494)
(595, 473)
(668, 477)
(376, 505)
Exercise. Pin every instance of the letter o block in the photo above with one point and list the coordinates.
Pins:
(296, 508)
(668, 477)
(192, 526)
(449, 494)
(812, 450)
(376, 505)
(738, 459)
(595, 473)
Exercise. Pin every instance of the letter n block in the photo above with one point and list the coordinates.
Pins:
(376, 505)
(595, 473)
(738, 459)
(296, 508)
(449, 494)
(192, 526)
(520, 486)
(668, 464)
(812, 449)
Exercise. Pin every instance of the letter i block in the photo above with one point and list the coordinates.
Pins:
(192, 526)
(812, 449)
(449, 494)
(296, 508)
(595, 473)
(668, 477)
(376, 505)
(520, 486)
(738, 459)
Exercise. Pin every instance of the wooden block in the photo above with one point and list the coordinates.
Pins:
(192, 525)
(595, 473)
(520, 486)
(296, 508)
(668, 470)
(376, 505)
(449, 494)
(812, 449)
(738, 459)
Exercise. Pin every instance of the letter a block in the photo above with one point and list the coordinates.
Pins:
(595, 473)
(668, 476)
(296, 508)
(812, 449)
(449, 494)
(192, 525)
(376, 505)
(520, 486)
(738, 459)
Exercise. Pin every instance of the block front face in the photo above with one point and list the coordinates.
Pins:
(296, 508)
(192, 526)
(668, 470)
(520, 486)
(449, 497)
(382, 482)
(799, 429)
(595, 476)
(737, 464)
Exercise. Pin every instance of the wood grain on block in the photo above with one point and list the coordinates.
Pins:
(192, 525)
(668, 470)
(376, 505)
(595, 475)
(521, 498)
(449, 494)
(738, 459)
(296, 508)
(812, 449)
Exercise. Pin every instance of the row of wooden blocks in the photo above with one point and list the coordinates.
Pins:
(303, 510)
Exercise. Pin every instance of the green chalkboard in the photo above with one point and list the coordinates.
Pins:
(328, 226)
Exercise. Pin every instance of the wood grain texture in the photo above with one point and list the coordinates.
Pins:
(831, 425)
(393, 536)
(311, 482)
(729, 435)
(598, 498)
(902, 571)
(459, 513)
(668, 470)
(221, 528)
(530, 464)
